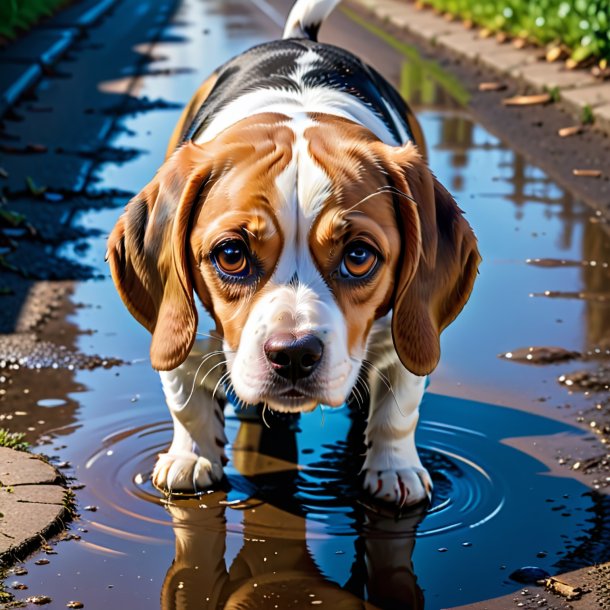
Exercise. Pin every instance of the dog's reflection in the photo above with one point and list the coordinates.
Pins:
(275, 567)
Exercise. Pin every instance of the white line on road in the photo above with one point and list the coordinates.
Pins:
(271, 12)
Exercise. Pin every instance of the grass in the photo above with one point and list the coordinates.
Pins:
(582, 26)
(13, 440)
(19, 15)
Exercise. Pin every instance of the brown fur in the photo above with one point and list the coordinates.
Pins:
(158, 250)
(426, 303)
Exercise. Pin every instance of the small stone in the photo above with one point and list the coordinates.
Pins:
(39, 600)
(529, 575)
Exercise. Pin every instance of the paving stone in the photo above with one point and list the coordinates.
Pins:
(32, 503)
(602, 116)
(426, 25)
(508, 60)
(544, 74)
(597, 95)
(466, 42)
(23, 523)
(22, 468)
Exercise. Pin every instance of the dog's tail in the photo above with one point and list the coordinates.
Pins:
(306, 17)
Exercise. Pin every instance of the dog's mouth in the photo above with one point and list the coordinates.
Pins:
(293, 394)
(292, 399)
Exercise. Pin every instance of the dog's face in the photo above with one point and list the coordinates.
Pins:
(297, 236)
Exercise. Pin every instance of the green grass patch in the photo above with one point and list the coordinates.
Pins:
(13, 440)
(583, 26)
(586, 115)
(19, 15)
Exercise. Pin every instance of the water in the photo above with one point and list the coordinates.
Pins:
(290, 522)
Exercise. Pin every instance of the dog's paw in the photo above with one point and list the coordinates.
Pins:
(185, 473)
(401, 487)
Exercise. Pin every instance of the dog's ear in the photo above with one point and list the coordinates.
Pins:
(148, 255)
(431, 291)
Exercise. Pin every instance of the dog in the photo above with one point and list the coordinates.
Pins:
(297, 205)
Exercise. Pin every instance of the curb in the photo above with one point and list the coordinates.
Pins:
(32, 73)
(35, 504)
(577, 89)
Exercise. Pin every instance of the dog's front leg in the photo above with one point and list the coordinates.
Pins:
(392, 469)
(196, 456)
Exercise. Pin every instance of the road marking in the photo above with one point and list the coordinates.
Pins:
(270, 11)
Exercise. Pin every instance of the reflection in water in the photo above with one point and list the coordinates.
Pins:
(293, 490)
(596, 278)
(275, 566)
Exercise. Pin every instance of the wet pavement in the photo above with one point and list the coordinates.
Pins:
(519, 456)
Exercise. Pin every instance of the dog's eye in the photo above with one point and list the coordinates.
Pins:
(359, 261)
(231, 257)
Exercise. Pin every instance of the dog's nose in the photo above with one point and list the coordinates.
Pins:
(294, 357)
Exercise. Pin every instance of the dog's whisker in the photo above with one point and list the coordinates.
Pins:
(222, 363)
(207, 357)
(209, 336)
(219, 382)
(386, 382)
(265, 407)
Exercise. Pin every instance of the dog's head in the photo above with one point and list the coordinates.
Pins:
(296, 236)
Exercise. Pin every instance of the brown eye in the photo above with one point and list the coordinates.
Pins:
(231, 258)
(359, 261)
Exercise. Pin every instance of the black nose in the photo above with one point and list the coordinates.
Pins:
(294, 357)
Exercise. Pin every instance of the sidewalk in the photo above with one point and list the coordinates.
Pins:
(577, 88)
(34, 504)
(25, 60)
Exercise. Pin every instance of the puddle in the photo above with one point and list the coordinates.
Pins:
(290, 523)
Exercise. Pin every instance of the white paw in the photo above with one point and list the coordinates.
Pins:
(401, 487)
(185, 472)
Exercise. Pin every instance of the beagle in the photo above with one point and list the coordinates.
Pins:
(295, 202)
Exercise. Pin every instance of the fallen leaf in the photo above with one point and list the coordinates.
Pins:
(574, 130)
(33, 187)
(491, 86)
(587, 173)
(563, 588)
(555, 54)
(528, 100)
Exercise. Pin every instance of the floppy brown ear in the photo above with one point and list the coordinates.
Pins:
(430, 296)
(147, 253)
